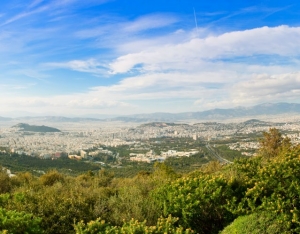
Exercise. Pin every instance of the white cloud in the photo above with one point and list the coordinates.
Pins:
(282, 41)
(198, 92)
(264, 86)
(259, 88)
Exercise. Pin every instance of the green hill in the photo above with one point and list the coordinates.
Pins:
(33, 128)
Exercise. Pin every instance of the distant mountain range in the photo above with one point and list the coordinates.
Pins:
(33, 128)
(49, 119)
(4, 119)
(267, 109)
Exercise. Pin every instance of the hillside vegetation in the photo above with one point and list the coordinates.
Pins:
(34, 128)
(255, 195)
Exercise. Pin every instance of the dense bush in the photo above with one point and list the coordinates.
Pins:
(257, 223)
(199, 202)
(5, 183)
(51, 178)
(276, 188)
(59, 201)
(163, 226)
(19, 222)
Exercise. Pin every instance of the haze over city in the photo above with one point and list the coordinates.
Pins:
(102, 57)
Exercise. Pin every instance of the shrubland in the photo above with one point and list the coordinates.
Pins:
(260, 194)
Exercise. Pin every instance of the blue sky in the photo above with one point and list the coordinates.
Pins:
(102, 57)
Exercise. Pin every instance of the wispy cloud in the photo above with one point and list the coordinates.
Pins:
(12, 87)
(123, 32)
(78, 3)
(149, 22)
(49, 8)
(35, 3)
(89, 66)
(213, 19)
(24, 15)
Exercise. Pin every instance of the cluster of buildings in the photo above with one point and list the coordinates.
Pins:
(82, 154)
(151, 157)
(81, 138)
(245, 147)
(54, 145)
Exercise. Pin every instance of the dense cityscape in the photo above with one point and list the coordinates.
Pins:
(82, 140)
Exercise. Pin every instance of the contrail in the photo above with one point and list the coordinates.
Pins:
(195, 20)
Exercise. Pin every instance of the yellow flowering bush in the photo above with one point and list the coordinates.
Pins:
(163, 226)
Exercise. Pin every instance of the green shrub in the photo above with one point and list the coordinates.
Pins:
(199, 202)
(14, 222)
(51, 177)
(275, 188)
(163, 226)
(5, 182)
(258, 223)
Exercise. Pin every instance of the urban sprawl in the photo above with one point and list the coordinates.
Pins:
(82, 140)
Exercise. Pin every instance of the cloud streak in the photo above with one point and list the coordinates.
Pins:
(88, 66)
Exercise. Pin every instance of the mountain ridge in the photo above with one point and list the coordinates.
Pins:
(218, 113)
(213, 114)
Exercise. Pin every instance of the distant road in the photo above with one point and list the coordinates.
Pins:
(216, 155)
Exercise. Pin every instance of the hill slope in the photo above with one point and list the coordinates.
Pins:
(33, 128)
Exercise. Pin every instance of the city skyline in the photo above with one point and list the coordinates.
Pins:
(102, 57)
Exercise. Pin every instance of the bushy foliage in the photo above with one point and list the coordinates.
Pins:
(132, 198)
(163, 226)
(257, 223)
(199, 202)
(12, 222)
(273, 143)
(59, 201)
(211, 167)
(5, 183)
(275, 188)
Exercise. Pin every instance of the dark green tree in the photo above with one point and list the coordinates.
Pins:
(273, 143)
(5, 183)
